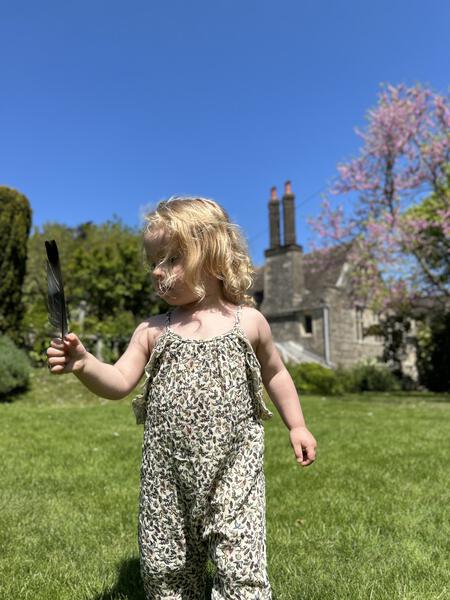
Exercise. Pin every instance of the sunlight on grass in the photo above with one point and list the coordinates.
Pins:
(366, 520)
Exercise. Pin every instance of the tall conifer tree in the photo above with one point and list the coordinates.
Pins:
(15, 224)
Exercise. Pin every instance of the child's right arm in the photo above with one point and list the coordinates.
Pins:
(105, 380)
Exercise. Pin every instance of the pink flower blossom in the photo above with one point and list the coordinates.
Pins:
(405, 152)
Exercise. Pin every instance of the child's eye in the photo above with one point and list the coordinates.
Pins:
(171, 260)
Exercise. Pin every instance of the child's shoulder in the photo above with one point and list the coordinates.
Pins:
(156, 325)
(250, 310)
(148, 331)
(251, 314)
(250, 322)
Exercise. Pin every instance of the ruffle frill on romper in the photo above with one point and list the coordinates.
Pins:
(139, 402)
(254, 371)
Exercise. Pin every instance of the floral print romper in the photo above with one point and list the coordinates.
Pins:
(202, 492)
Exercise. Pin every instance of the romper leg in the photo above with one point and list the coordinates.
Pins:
(236, 523)
(173, 556)
(239, 552)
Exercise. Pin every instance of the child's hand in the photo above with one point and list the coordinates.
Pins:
(304, 445)
(66, 356)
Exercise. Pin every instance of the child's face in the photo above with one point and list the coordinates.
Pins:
(168, 275)
(166, 272)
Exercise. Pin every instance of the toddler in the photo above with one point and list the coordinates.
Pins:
(202, 486)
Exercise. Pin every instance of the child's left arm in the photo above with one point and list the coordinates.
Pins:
(282, 392)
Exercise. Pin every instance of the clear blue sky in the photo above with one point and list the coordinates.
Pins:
(106, 107)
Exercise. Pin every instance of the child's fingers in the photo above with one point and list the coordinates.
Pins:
(63, 352)
(57, 364)
(308, 456)
(58, 370)
(53, 351)
(71, 338)
(57, 343)
(56, 356)
(66, 345)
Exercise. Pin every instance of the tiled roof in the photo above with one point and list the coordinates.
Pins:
(315, 280)
(292, 351)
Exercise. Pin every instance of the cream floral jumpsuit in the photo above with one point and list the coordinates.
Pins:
(202, 491)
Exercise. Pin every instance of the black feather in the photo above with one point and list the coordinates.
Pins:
(56, 303)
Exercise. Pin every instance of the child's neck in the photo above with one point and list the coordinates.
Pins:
(210, 303)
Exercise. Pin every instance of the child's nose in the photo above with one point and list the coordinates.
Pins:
(158, 276)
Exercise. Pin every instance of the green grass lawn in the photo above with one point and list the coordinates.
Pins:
(368, 520)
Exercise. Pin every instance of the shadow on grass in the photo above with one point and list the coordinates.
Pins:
(15, 394)
(129, 584)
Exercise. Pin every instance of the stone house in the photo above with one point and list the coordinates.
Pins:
(311, 315)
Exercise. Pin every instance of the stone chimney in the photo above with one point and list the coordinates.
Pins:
(274, 219)
(284, 282)
(289, 215)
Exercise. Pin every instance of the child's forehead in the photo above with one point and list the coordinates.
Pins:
(157, 242)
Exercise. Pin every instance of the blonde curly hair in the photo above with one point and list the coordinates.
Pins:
(200, 230)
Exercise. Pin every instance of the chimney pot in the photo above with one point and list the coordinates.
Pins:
(289, 215)
(274, 218)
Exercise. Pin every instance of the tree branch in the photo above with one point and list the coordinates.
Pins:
(432, 278)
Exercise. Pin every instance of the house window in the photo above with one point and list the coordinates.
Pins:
(359, 311)
(259, 297)
(308, 324)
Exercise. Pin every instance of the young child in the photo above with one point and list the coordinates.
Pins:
(202, 492)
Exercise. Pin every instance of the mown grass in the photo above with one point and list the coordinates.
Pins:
(368, 520)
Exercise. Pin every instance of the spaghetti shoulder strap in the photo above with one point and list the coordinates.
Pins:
(238, 315)
(168, 319)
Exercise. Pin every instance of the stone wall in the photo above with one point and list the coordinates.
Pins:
(283, 279)
(284, 326)
(346, 348)
(314, 342)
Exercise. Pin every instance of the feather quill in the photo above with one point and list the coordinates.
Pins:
(56, 303)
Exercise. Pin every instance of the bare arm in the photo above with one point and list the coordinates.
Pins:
(276, 378)
(105, 380)
(283, 393)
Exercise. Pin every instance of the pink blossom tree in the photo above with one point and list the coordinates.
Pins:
(398, 249)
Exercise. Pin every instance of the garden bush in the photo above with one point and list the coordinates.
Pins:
(14, 368)
(367, 377)
(312, 378)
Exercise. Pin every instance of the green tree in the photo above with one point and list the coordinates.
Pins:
(107, 285)
(431, 248)
(15, 223)
(433, 352)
